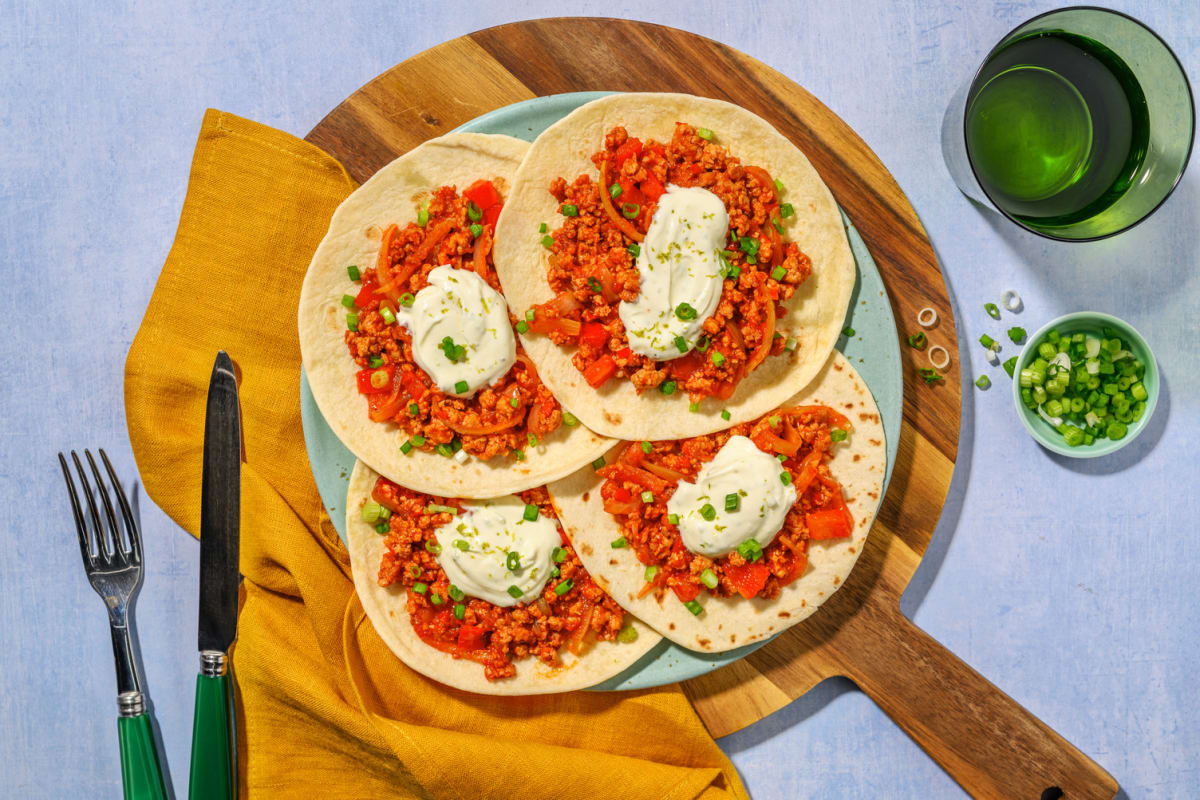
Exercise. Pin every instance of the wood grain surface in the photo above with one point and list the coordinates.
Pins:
(987, 742)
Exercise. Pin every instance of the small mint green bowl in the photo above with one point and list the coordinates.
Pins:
(1088, 322)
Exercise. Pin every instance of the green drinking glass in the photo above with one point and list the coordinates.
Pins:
(1077, 126)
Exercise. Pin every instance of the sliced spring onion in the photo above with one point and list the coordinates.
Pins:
(618, 543)
(569, 419)
(418, 440)
(628, 635)
(389, 318)
(750, 550)
(927, 317)
(837, 435)
(407, 299)
(790, 344)
(673, 519)
(547, 241)
(543, 228)
(531, 512)
(371, 511)
(1010, 365)
(936, 362)
(460, 387)
(732, 501)
(988, 342)
(992, 310)
(513, 560)
(460, 611)
(558, 555)
(778, 273)
(786, 210)
(352, 321)
(515, 592)
(848, 331)
(570, 210)
(422, 217)
(354, 273)
(522, 326)
(786, 478)
(685, 312)
(704, 133)
(1011, 300)
(708, 512)
(647, 496)
(630, 210)
(647, 447)
(564, 587)
(709, 578)
(718, 358)
(725, 415)
(406, 447)
(983, 381)
(634, 249)
(598, 463)
(930, 376)
(461, 456)
(693, 407)
(667, 387)
(473, 211)
(694, 607)
(420, 588)
(1016, 335)
(917, 341)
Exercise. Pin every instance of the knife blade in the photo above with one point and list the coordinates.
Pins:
(213, 753)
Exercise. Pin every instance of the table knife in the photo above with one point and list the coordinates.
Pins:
(214, 756)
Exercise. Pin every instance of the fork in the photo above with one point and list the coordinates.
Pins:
(114, 568)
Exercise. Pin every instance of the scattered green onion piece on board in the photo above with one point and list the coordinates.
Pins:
(848, 331)
(930, 376)
(1010, 365)
(1017, 335)
(992, 310)
(983, 381)
(987, 341)
(917, 340)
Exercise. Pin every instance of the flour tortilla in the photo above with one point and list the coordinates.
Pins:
(388, 612)
(394, 194)
(816, 312)
(858, 464)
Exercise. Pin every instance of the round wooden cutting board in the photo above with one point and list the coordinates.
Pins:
(988, 743)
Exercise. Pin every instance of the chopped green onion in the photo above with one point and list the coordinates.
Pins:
(476, 230)
(434, 508)
(778, 273)
(598, 463)
(514, 401)
(460, 387)
(930, 376)
(781, 458)
(702, 344)
(474, 211)
(522, 326)
(647, 447)
(513, 561)
(992, 310)
(383, 527)
(693, 407)
(917, 340)
(786, 210)
(983, 381)
(704, 133)
(422, 217)
(732, 501)
(628, 635)
(750, 550)
(420, 588)
(414, 570)
(462, 544)
(371, 511)
(667, 387)
(418, 440)
(630, 210)
(1116, 430)
(790, 344)
(564, 587)
(531, 512)
(673, 519)
(515, 592)
(774, 420)
(718, 358)
(532, 438)
(460, 611)
(433, 547)
(406, 447)
(709, 578)
(685, 311)
(407, 299)
(389, 318)
(848, 331)
(594, 285)
(987, 341)
(559, 555)
(1010, 365)
(694, 607)
(618, 543)
(837, 435)
(375, 361)
(634, 249)
(353, 272)
(352, 321)
(725, 415)
(647, 496)
(779, 186)
(786, 477)
(436, 599)
(614, 191)
(456, 593)
(708, 512)
(681, 344)
(569, 210)
(547, 241)
(1017, 335)
(748, 245)
(543, 228)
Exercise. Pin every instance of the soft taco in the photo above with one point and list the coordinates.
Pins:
(487, 595)
(681, 264)
(722, 539)
(408, 344)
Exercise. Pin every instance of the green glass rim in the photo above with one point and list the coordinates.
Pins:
(1187, 85)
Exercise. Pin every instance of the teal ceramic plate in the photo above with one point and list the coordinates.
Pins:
(874, 350)
(1088, 322)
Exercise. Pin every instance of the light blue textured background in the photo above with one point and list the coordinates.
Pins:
(1070, 584)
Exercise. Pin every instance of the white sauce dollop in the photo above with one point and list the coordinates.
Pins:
(678, 263)
(459, 304)
(492, 529)
(764, 500)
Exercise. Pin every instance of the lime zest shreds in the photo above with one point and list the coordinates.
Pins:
(435, 508)
(917, 341)
(1017, 335)
(983, 381)
(992, 310)
(1010, 365)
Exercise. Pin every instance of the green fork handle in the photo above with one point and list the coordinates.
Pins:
(212, 773)
(141, 773)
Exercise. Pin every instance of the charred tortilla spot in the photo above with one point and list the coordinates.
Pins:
(836, 580)
(611, 418)
(612, 562)
(784, 614)
(837, 367)
(704, 642)
(857, 456)
(587, 549)
(670, 626)
(586, 495)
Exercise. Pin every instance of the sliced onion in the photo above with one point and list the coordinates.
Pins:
(945, 362)
(925, 321)
(993, 355)
(1120, 354)
(1093, 367)
(1055, 421)
(1061, 360)
(1011, 300)
(1091, 347)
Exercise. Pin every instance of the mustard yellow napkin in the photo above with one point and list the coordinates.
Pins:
(325, 709)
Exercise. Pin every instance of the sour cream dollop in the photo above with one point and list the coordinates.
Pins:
(677, 264)
(490, 530)
(459, 304)
(764, 500)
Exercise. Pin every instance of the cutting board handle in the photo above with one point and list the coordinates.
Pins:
(991, 745)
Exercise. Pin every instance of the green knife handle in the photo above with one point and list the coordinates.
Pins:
(212, 773)
(140, 770)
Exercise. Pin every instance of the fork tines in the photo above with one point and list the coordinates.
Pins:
(108, 548)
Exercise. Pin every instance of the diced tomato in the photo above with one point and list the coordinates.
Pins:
(482, 194)
(657, 148)
(413, 385)
(683, 367)
(798, 566)
(652, 188)
(830, 523)
(543, 324)
(490, 215)
(685, 591)
(624, 354)
(678, 545)
(748, 579)
(366, 298)
(593, 334)
(600, 371)
(630, 193)
(807, 472)
(622, 495)
(631, 148)
(470, 637)
(365, 386)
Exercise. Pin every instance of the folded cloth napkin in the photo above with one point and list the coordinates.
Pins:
(324, 708)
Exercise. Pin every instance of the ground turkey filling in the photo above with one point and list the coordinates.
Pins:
(499, 419)
(492, 636)
(593, 252)
(803, 435)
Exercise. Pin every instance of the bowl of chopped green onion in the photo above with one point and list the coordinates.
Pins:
(1085, 384)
